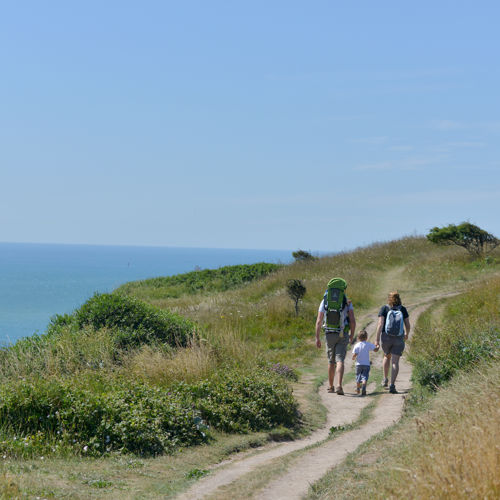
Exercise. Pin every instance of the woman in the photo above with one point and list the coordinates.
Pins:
(394, 326)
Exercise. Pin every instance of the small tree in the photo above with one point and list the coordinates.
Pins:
(475, 240)
(296, 290)
(302, 256)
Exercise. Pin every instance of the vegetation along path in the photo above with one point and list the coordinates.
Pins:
(302, 462)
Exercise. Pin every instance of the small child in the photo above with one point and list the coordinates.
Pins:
(361, 353)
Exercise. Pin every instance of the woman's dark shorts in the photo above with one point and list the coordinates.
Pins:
(393, 345)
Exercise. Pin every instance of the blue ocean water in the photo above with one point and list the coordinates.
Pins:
(40, 280)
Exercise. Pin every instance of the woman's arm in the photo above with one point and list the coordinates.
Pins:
(407, 328)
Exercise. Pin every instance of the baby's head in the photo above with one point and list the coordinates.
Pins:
(362, 335)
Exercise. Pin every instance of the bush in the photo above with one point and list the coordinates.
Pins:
(303, 256)
(136, 419)
(93, 415)
(236, 402)
(134, 322)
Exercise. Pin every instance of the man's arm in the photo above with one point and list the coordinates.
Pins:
(407, 328)
(379, 330)
(319, 324)
(352, 324)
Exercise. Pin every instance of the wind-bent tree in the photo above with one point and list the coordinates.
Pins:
(302, 256)
(475, 240)
(296, 290)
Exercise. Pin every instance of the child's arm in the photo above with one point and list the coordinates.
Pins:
(354, 356)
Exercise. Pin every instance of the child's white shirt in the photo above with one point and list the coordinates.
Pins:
(362, 349)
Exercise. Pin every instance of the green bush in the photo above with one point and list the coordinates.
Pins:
(237, 402)
(135, 419)
(134, 321)
(93, 415)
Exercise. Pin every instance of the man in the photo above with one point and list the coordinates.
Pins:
(336, 343)
(393, 343)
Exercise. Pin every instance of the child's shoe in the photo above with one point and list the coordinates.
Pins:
(357, 389)
(392, 389)
(363, 390)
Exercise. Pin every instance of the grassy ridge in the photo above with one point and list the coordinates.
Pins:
(206, 280)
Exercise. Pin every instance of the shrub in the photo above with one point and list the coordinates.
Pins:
(303, 256)
(134, 321)
(94, 415)
(296, 291)
(137, 419)
(238, 402)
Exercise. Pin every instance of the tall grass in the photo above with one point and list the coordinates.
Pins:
(448, 452)
(467, 332)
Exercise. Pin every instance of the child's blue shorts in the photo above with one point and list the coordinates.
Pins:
(362, 372)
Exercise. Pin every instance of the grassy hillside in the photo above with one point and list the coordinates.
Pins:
(202, 281)
(205, 357)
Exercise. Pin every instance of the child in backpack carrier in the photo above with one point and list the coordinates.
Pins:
(361, 353)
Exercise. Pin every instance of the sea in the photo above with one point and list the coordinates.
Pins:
(38, 281)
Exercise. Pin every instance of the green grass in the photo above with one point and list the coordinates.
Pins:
(202, 281)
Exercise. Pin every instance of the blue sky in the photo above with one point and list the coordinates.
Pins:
(266, 124)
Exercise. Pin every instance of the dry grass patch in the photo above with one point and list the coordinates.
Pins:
(451, 451)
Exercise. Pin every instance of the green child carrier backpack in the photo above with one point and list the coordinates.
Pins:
(335, 304)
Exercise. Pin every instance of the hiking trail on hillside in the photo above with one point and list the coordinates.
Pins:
(304, 461)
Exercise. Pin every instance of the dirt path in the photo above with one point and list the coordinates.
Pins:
(313, 463)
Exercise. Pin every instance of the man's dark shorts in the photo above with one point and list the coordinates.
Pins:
(336, 346)
(393, 345)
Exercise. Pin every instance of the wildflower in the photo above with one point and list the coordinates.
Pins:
(85, 448)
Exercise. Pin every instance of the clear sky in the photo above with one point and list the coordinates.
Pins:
(320, 125)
